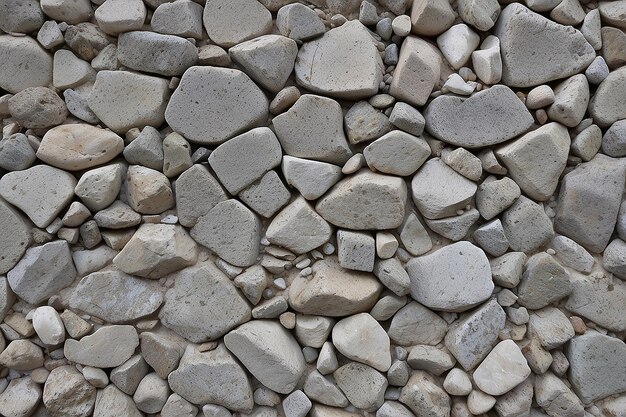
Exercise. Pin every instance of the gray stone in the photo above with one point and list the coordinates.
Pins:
(16, 153)
(597, 298)
(457, 44)
(183, 18)
(457, 382)
(436, 200)
(67, 393)
(94, 350)
(151, 394)
(245, 158)
(162, 351)
(607, 104)
(268, 59)
(356, 250)
(551, 327)
(37, 107)
(212, 377)
(526, 225)
(42, 272)
(424, 396)
(372, 193)
(407, 118)
(26, 64)
(457, 227)
(204, 304)
(430, 358)
(361, 338)
(587, 143)
(589, 202)
(116, 297)
(311, 178)
(414, 324)
(536, 160)
(69, 71)
(391, 273)
(530, 42)
(597, 366)
(482, 14)
(117, 216)
(120, 111)
(127, 376)
(397, 153)
(570, 101)
(99, 187)
(267, 195)
(614, 139)
(178, 406)
(41, 192)
(343, 63)
(230, 96)
(117, 16)
(614, 258)
(111, 402)
(197, 192)
(439, 280)
(269, 352)
(463, 162)
(296, 404)
(21, 355)
(228, 24)
(556, 398)
(15, 237)
(176, 155)
(20, 398)
(414, 235)
(364, 386)
(322, 390)
(571, 254)
(364, 123)
(313, 129)
(486, 118)
(20, 16)
(230, 230)
(146, 149)
(491, 238)
(299, 23)
(544, 281)
(166, 55)
(474, 334)
(502, 370)
(333, 291)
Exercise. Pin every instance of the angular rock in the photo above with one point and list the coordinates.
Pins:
(589, 202)
(20, 398)
(431, 359)
(439, 280)
(37, 107)
(530, 42)
(313, 128)
(424, 396)
(76, 147)
(118, 216)
(268, 59)
(166, 55)
(544, 281)
(364, 123)
(197, 192)
(267, 195)
(571, 254)
(311, 178)
(361, 338)
(526, 225)
(116, 297)
(431, 17)
(203, 304)
(502, 370)
(99, 187)
(418, 70)
(536, 160)
(111, 402)
(94, 350)
(25, 64)
(392, 274)
(15, 237)
(457, 44)
(21, 355)
(244, 159)
(486, 118)
(556, 398)
(16, 153)
(607, 104)
(597, 366)
(213, 377)
(120, 111)
(48, 325)
(333, 291)
(414, 324)
(298, 22)
(233, 100)
(372, 193)
(472, 336)
(228, 24)
(364, 386)
(343, 63)
(127, 376)
(148, 191)
(551, 327)
(42, 272)
(356, 250)
(146, 149)
(117, 16)
(397, 153)
(269, 352)
(67, 393)
(482, 14)
(181, 19)
(570, 101)
(230, 230)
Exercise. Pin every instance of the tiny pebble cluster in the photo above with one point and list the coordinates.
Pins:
(323, 208)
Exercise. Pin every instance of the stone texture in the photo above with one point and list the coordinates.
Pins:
(148, 191)
(15, 237)
(197, 192)
(67, 393)
(25, 64)
(502, 370)
(362, 338)
(415, 324)
(228, 24)
(99, 187)
(93, 350)
(397, 153)
(424, 396)
(607, 104)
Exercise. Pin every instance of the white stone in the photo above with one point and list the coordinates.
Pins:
(457, 44)
(502, 370)
(362, 338)
(48, 325)
(117, 16)
(25, 64)
(311, 178)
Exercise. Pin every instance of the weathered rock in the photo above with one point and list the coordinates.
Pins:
(267, 195)
(502, 370)
(151, 394)
(570, 101)
(536, 160)
(117, 16)
(230, 230)
(21, 355)
(197, 192)
(99, 187)
(228, 24)
(333, 291)
(414, 324)
(372, 193)
(116, 297)
(148, 191)
(311, 178)
(43, 271)
(37, 107)
(600, 181)
(551, 327)
(607, 104)
(526, 225)
(529, 42)
(25, 64)
(472, 336)
(20, 398)
(361, 338)
(48, 325)
(597, 366)
(298, 22)
(363, 385)
(94, 350)
(486, 118)
(213, 377)
(571, 254)
(204, 304)
(111, 402)
(430, 18)
(16, 153)
(544, 281)
(556, 398)
(439, 280)
(424, 396)
(397, 153)
(343, 63)
(67, 393)
(482, 14)
(146, 149)
(392, 274)
(230, 96)
(156, 250)
(269, 352)
(15, 237)
(76, 147)
(153, 52)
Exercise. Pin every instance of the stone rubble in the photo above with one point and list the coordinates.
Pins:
(325, 208)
